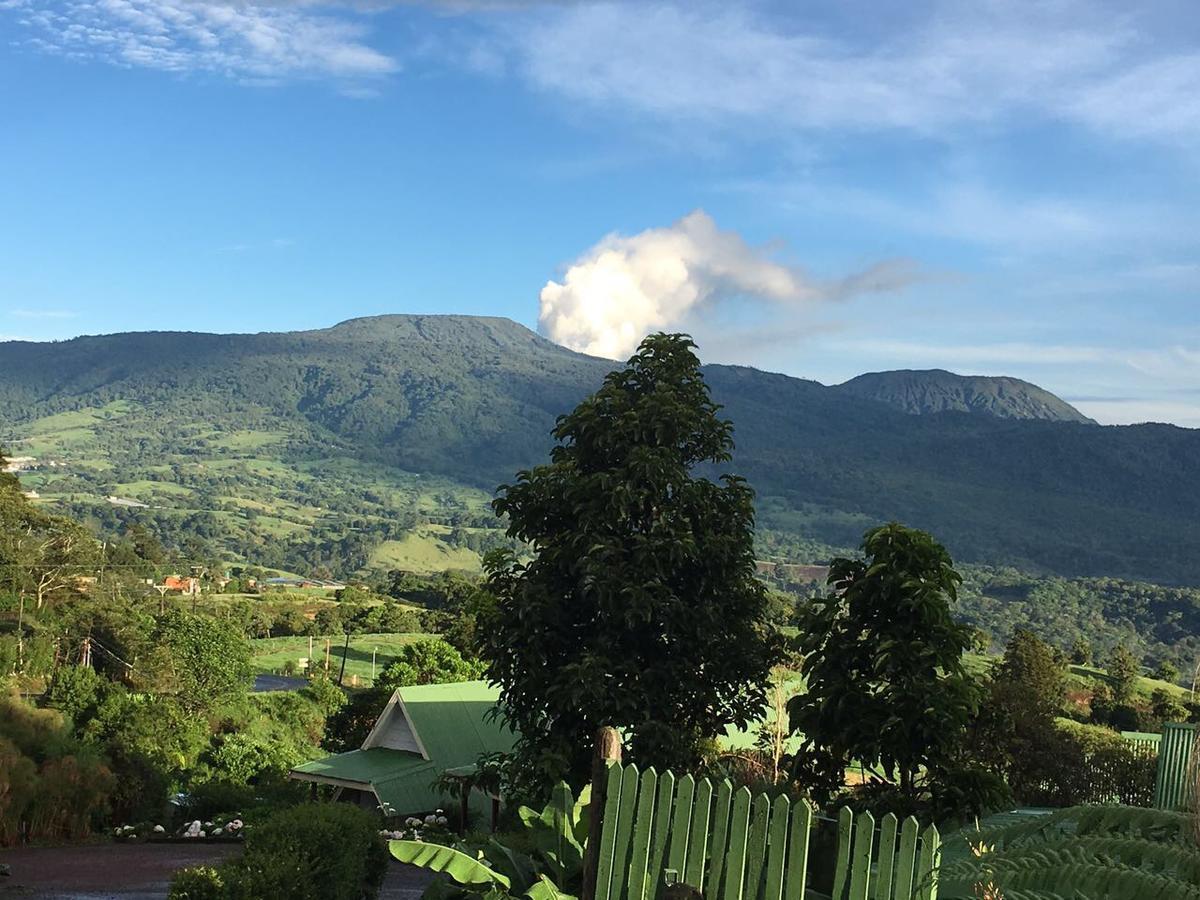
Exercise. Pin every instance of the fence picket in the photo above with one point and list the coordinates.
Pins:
(887, 857)
(781, 811)
(681, 824)
(797, 865)
(698, 835)
(906, 860)
(842, 864)
(860, 857)
(624, 832)
(662, 828)
(756, 847)
(612, 817)
(735, 854)
(639, 849)
(720, 840)
(927, 867)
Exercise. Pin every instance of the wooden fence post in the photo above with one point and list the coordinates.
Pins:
(608, 749)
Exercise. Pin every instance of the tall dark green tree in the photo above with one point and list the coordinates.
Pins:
(639, 607)
(1124, 669)
(1034, 675)
(883, 663)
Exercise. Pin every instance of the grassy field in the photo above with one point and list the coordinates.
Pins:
(268, 655)
(423, 552)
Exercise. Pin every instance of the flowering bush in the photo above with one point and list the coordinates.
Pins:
(432, 829)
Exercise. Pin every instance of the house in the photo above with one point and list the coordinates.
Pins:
(181, 585)
(423, 731)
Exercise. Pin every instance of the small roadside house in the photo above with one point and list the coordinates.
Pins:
(423, 731)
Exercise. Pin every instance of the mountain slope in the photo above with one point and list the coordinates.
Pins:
(922, 391)
(321, 447)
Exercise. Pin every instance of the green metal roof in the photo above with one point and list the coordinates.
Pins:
(451, 724)
(452, 721)
(365, 766)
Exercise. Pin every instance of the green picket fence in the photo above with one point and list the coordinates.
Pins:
(1173, 788)
(730, 845)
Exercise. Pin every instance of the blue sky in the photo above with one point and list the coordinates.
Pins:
(818, 189)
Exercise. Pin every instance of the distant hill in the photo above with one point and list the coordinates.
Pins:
(922, 391)
(379, 441)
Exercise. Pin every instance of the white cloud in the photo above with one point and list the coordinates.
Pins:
(970, 64)
(253, 42)
(625, 287)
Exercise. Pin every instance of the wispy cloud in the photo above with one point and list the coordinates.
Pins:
(973, 64)
(937, 65)
(42, 313)
(982, 355)
(247, 41)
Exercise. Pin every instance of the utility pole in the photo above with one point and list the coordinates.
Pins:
(326, 656)
(345, 650)
(373, 652)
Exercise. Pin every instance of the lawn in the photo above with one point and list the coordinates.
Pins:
(268, 655)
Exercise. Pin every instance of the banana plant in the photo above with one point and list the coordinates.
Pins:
(557, 834)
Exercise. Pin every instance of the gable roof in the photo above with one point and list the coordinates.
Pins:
(423, 730)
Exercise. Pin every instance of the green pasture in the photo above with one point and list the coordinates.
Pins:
(268, 655)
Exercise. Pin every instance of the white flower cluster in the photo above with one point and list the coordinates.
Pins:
(195, 830)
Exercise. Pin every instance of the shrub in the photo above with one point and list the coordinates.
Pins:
(327, 695)
(338, 844)
(304, 852)
(48, 779)
(18, 786)
(212, 797)
(73, 791)
(199, 883)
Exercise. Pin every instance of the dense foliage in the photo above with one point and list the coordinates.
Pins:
(639, 607)
(882, 658)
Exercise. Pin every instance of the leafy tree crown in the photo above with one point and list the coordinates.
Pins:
(640, 607)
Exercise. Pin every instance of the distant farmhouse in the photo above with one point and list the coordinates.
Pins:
(424, 731)
(303, 583)
(179, 584)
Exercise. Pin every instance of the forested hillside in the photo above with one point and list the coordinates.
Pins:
(377, 443)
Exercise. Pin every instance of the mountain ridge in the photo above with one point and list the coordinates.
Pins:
(210, 425)
(931, 391)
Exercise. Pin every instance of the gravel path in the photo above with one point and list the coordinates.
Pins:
(137, 871)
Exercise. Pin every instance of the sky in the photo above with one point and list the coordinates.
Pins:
(820, 189)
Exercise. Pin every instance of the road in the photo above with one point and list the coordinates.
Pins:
(107, 871)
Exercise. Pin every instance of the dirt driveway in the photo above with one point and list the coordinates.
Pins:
(137, 871)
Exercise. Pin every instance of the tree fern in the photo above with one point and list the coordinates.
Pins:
(1083, 853)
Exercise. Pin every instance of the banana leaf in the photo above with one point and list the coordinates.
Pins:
(462, 868)
(545, 889)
